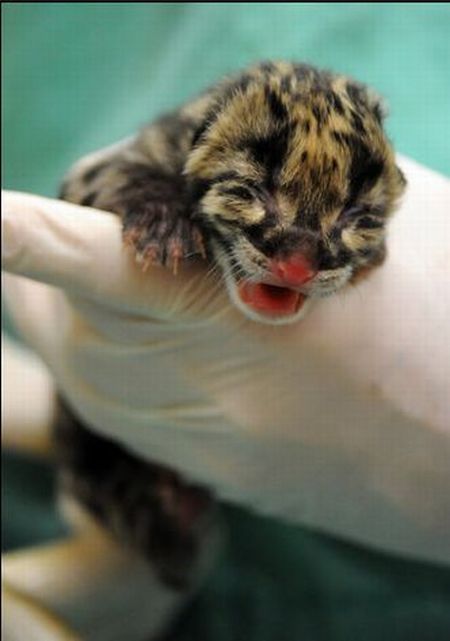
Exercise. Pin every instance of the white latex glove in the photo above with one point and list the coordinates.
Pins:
(84, 588)
(340, 422)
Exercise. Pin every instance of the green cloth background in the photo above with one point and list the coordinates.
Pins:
(76, 77)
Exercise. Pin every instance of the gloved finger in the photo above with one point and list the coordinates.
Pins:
(80, 249)
(60, 591)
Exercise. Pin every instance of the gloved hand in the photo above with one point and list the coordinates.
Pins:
(340, 422)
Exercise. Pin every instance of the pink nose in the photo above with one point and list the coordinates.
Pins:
(294, 271)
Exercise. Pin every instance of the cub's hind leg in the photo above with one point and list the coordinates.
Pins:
(145, 506)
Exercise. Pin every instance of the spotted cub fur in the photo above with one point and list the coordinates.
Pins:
(280, 158)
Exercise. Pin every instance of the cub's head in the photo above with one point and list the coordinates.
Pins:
(295, 181)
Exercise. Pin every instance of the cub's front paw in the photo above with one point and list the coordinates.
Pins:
(160, 239)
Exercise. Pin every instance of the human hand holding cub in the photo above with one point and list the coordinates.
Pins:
(338, 422)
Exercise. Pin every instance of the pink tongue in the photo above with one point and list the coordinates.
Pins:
(270, 299)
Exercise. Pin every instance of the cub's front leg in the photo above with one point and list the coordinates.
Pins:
(141, 180)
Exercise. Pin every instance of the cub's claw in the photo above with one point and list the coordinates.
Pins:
(159, 243)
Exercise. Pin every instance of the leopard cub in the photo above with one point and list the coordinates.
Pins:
(283, 177)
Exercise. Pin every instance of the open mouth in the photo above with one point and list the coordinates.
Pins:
(271, 300)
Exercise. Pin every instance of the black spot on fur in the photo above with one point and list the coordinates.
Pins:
(201, 130)
(356, 94)
(357, 122)
(304, 156)
(335, 102)
(349, 139)
(338, 137)
(307, 126)
(92, 173)
(344, 139)
(270, 151)
(285, 84)
(320, 117)
(89, 199)
(365, 169)
(277, 108)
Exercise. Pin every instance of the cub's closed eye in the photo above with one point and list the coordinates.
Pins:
(362, 218)
(369, 222)
(238, 191)
(352, 212)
